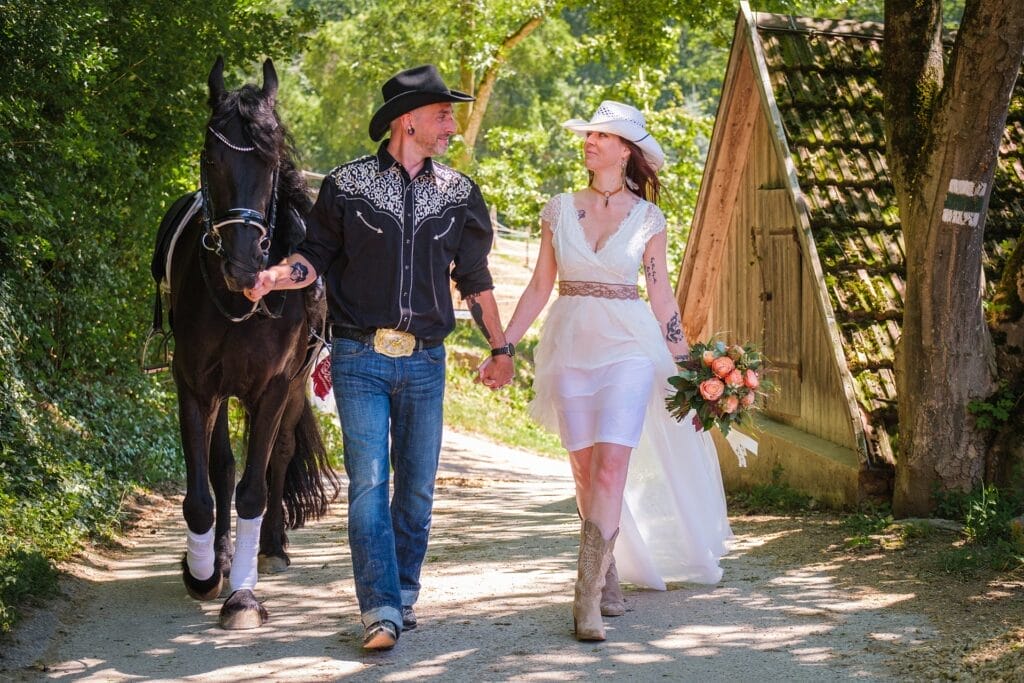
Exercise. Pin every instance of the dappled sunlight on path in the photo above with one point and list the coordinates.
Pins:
(495, 604)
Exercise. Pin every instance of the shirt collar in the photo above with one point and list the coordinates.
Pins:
(386, 162)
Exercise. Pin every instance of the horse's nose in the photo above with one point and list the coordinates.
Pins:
(237, 280)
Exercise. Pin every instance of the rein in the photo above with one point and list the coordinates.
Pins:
(211, 240)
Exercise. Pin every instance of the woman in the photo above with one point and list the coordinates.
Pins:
(601, 369)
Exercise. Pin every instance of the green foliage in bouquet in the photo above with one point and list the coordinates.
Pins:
(720, 383)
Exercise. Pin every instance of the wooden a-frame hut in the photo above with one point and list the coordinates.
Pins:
(796, 246)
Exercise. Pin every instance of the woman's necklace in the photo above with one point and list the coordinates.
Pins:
(607, 193)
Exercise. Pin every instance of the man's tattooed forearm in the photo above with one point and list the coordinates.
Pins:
(299, 272)
(652, 273)
(580, 214)
(477, 311)
(673, 333)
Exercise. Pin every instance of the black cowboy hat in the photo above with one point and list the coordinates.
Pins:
(408, 90)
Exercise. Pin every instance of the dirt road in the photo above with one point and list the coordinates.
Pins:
(495, 605)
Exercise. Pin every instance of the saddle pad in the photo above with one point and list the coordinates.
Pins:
(171, 227)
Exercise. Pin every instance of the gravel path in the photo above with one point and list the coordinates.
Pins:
(497, 589)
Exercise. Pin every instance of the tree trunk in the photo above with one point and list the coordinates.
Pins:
(474, 116)
(943, 128)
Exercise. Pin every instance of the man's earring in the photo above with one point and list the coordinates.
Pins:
(409, 130)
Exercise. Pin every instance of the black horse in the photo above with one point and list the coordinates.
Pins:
(249, 211)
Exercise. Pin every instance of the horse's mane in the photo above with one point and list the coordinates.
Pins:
(264, 131)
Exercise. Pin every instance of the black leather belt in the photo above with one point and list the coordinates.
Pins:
(366, 337)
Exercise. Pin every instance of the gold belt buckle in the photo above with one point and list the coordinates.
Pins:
(393, 343)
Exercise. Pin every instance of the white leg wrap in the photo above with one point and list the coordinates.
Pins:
(247, 545)
(199, 554)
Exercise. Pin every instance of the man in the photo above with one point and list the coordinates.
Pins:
(385, 232)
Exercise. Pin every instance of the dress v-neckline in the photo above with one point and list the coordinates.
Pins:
(583, 232)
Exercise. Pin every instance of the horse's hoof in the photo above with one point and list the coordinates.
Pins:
(272, 564)
(242, 611)
(201, 590)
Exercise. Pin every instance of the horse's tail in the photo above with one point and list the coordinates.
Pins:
(310, 485)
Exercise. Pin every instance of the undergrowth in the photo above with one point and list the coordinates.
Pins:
(993, 534)
(775, 496)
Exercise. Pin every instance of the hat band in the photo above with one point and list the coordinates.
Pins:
(403, 94)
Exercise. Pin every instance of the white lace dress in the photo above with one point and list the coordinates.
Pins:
(601, 375)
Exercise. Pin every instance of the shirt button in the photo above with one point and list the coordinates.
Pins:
(407, 267)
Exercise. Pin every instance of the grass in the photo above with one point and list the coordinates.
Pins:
(775, 496)
(497, 415)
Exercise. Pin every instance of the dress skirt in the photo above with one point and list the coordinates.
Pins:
(602, 372)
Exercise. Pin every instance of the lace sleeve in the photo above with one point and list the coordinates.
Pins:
(551, 210)
(654, 221)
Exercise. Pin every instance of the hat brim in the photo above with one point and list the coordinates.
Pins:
(406, 102)
(647, 144)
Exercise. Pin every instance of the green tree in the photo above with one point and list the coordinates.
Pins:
(101, 119)
(944, 121)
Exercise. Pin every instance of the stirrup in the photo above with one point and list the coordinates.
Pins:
(161, 350)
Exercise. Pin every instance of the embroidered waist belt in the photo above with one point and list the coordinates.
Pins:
(601, 290)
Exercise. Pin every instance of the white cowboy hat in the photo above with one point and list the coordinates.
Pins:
(625, 121)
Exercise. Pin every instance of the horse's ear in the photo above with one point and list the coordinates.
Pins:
(216, 81)
(269, 80)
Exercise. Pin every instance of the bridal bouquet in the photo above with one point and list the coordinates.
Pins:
(719, 382)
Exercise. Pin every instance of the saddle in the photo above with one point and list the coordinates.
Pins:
(171, 227)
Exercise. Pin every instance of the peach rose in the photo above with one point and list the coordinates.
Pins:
(734, 379)
(708, 357)
(748, 399)
(722, 366)
(729, 404)
(712, 389)
(751, 379)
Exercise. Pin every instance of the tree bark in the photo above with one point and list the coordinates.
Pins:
(943, 128)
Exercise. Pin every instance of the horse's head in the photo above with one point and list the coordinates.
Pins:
(241, 162)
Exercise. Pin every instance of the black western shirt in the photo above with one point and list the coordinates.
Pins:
(385, 244)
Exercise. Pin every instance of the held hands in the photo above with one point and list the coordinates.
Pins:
(265, 281)
(495, 372)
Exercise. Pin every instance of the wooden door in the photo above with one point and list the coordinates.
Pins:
(781, 268)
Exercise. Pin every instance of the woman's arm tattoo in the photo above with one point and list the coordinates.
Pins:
(673, 332)
(477, 311)
(652, 273)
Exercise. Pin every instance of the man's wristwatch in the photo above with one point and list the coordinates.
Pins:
(506, 350)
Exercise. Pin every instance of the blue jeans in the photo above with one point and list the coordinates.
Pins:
(382, 399)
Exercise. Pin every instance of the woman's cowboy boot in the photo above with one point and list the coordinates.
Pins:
(595, 556)
(612, 602)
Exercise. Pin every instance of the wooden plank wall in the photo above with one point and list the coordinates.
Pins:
(762, 254)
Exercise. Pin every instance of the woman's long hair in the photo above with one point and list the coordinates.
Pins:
(640, 171)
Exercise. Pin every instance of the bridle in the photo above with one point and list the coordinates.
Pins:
(212, 223)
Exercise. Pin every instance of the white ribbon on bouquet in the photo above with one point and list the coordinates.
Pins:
(741, 445)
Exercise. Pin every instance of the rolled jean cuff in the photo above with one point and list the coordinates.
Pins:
(409, 598)
(386, 612)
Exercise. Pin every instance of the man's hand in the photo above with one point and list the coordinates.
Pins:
(265, 281)
(496, 372)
